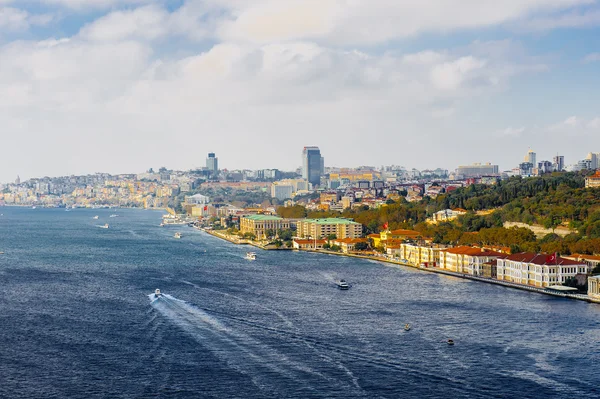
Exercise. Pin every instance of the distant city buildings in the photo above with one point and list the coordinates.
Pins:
(477, 170)
(312, 165)
(558, 163)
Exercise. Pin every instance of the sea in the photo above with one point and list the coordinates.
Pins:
(78, 319)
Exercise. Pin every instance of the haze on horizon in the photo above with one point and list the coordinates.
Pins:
(119, 86)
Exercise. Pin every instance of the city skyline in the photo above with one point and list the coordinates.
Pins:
(114, 86)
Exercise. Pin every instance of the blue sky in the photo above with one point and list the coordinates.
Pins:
(123, 85)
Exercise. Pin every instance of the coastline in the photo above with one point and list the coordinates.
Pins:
(508, 284)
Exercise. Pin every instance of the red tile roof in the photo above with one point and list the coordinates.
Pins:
(540, 259)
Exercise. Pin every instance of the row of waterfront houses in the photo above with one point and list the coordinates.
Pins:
(537, 270)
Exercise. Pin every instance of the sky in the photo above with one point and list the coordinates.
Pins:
(120, 86)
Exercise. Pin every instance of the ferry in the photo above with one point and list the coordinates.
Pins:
(177, 235)
(95, 217)
(251, 255)
(343, 285)
(105, 226)
(157, 293)
(407, 327)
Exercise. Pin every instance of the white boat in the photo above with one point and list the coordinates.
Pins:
(1, 252)
(450, 342)
(157, 293)
(114, 216)
(343, 285)
(95, 217)
(250, 255)
(105, 226)
(33, 207)
(177, 235)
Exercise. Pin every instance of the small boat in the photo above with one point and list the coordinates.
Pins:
(407, 327)
(114, 216)
(343, 285)
(177, 235)
(162, 225)
(105, 226)
(33, 207)
(250, 255)
(450, 342)
(1, 252)
(95, 217)
(157, 293)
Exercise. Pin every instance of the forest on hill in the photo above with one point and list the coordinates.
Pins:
(550, 200)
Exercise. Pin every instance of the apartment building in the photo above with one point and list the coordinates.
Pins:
(467, 260)
(321, 228)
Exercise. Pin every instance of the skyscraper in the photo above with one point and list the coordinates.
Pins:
(558, 163)
(530, 157)
(311, 165)
(212, 163)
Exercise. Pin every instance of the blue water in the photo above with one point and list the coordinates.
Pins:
(77, 320)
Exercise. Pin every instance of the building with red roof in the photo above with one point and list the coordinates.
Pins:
(539, 270)
(467, 260)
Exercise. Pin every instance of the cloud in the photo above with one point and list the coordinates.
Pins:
(573, 19)
(592, 57)
(512, 132)
(367, 22)
(13, 19)
(575, 125)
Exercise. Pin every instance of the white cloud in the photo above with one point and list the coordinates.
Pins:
(575, 125)
(512, 131)
(573, 19)
(592, 57)
(367, 22)
(13, 19)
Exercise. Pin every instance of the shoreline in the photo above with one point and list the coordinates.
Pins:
(508, 284)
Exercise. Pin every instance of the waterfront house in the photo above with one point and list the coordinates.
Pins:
(467, 260)
(259, 224)
(347, 244)
(540, 270)
(299, 243)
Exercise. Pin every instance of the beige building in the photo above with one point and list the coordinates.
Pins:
(308, 244)
(416, 255)
(321, 228)
(594, 287)
(467, 260)
(539, 270)
(259, 224)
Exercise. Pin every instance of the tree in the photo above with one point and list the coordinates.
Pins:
(331, 237)
(361, 246)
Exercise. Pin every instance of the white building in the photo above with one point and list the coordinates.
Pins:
(197, 199)
(539, 270)
(281, 191)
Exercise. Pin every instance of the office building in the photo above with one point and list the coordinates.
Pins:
(281, 191)
(477, 170)
(212, 163)
(530, 158)
(311, 165)
(558, 163)
(594, 159)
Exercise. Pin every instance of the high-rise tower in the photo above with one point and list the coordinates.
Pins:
(212, 163)
(311, 165)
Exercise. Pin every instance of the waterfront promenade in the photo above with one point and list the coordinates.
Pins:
(383, 259)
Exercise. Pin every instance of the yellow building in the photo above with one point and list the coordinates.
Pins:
(467, 260)
(393, 236)
(594, 287)
(259, 224)
(321, 228)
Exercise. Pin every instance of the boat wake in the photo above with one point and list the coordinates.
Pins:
(241, 351)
